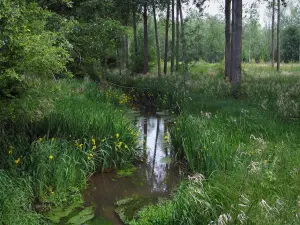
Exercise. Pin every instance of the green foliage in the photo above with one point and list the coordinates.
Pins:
(290, 44)
(58, 169)
(16, 196)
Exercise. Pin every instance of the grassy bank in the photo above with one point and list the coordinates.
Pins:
(243, 154)
(55, 136)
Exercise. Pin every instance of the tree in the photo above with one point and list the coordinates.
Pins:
(167, 38)
(156, 40)
(236, 59)
(290, 44)
(183, 42)
(227, 37)
(145, 15)
(273, 32)
(173, 37)
(278, 35)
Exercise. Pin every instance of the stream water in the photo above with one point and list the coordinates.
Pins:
(155, 177)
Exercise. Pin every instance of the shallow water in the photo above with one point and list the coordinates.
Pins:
(155, 177)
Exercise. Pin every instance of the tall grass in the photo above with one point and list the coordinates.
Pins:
(58, 134)
(16, 196)
(246, 150)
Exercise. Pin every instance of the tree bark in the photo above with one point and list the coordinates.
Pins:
(236, 52)
(126, 51)
(134, 31)
(145, 15)
(186, 67)
(278, 36)
(156, 40)
(227, 38)
(173, 37)
(177, 37)
(167, 39)
(273, 32)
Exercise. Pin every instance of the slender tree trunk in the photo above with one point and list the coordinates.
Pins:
(236, 53)
(177, 37)
(183, 43)
(156, 40)
(167, 39)
(273, 32)
(126, 51)
(134, 32)
(146, 67)
(278, 36)
(227, 38)
(119, 62)
(173, 37)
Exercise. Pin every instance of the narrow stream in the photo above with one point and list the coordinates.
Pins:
(155, 177)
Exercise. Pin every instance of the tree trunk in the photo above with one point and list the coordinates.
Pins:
(177, 37)
(173, 37)
(146, 67)
(167, 39)
(278, 36)
(134, 32)
(126, 51)
(156, 40)
(183, 43)
(227, 38)
(273, 32)
(236, 52)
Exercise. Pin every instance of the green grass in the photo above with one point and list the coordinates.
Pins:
(245, 149)
(55, 136)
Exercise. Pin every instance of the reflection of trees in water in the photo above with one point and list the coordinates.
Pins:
(156, 172)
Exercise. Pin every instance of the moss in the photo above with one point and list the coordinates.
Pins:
(128, 208)
(82, 216)
(57, 214)
(126, 171)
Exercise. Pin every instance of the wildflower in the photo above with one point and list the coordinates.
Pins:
(94, 147)
(91, 155)
(53, 139)
(17, 161)
(52, 192)
(103, 140)
(80, 146)
(10, 150)
(51, 157)
(40, 139)
(117, 135)
(93, 141)
(175, 122)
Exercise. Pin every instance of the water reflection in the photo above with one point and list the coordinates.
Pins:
(155, 177)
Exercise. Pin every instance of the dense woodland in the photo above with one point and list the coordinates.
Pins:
(73, 73)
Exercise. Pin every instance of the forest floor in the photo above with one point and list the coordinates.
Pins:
(242, 153)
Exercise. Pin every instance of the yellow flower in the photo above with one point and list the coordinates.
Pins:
(117, 135)
(93, 141)
(10, 150)
(103, 140)
(80, 146)
(91, 155)
(53, 139)
(94, 147)
(89, 158)
(51, 157)
(40, 139)
(174, 122)
(52, 192)
(17, 161)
